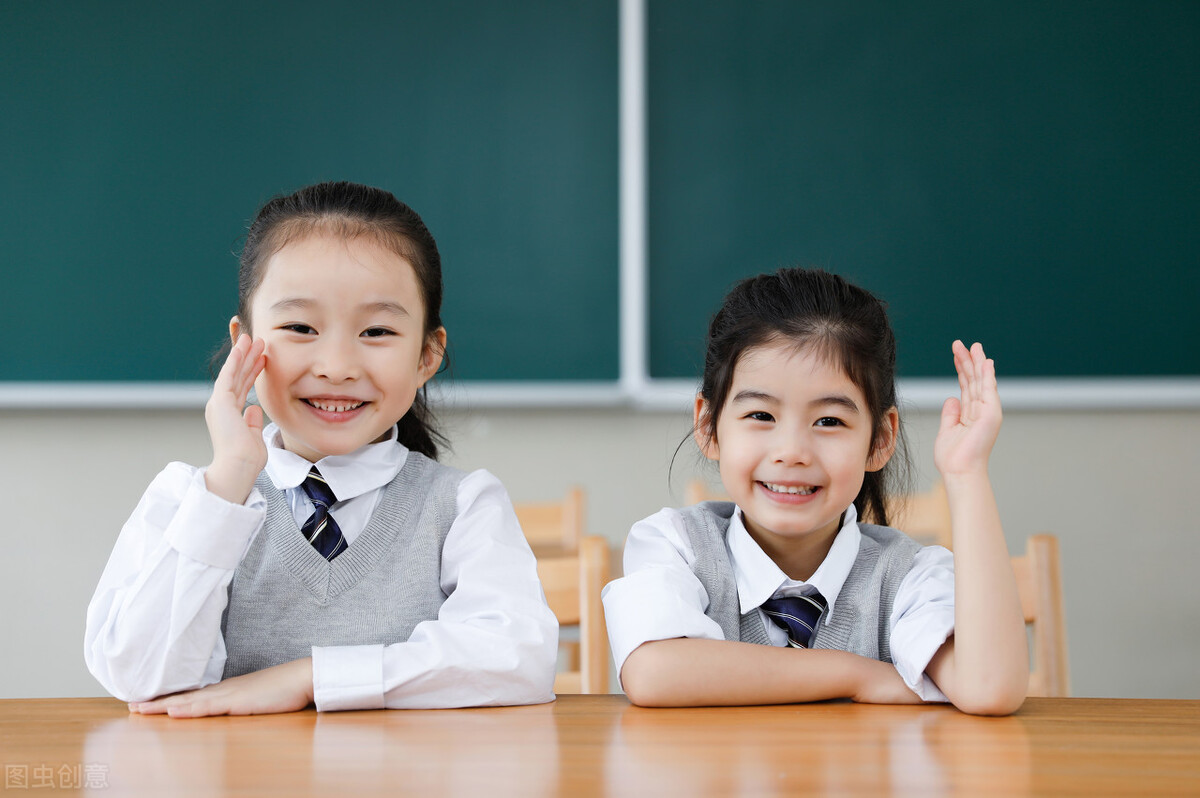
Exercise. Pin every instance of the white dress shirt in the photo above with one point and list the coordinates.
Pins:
(660, 597)
(154, 622)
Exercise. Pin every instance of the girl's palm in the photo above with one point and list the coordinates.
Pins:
(236, 430)
(971, 423)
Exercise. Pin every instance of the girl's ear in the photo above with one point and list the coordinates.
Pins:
(236, 329)
(431, 356)
(885, 446)
(702, 430)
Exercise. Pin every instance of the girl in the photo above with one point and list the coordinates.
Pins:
(798, 407)
(327, 557)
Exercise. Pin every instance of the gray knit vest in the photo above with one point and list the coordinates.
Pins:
(861, 621)
(285, 598)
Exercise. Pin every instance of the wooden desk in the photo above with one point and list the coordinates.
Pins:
(600, 745)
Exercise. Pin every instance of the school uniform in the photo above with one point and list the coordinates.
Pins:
(663, 594)
(457, 587)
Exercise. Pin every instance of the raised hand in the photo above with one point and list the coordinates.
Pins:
(283, 688)
(239, 453)
(971, 423)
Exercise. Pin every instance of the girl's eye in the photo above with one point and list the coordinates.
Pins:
(376, 332)
(303, 329)
(760, 415)
(829, 421)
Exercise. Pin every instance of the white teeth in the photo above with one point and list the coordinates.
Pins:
(334, 408)
(799, 491)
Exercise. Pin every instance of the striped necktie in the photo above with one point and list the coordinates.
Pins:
(797, 615)
(320, 528)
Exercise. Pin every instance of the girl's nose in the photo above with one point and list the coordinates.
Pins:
(791, 448)
(335, 359)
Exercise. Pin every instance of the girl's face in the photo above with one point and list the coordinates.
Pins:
(793, 443)
(346, 351)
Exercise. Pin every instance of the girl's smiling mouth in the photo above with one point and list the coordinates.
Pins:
(790, 490)
(334, 405)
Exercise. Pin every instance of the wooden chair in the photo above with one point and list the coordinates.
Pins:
(926, 517)
(573, 568)
(553, 527)
(1039, 584)
(572, 583)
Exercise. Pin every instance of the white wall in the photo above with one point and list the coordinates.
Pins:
(1114, 486)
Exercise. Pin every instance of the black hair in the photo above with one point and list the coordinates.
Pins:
(847, 324)
(351, 210)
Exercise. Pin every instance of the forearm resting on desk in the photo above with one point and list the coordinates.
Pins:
(696, 672)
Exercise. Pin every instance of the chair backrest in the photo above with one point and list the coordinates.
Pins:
(573, 568)
(572, 583)
(1039, 584)
(553, 527)
(926, 517)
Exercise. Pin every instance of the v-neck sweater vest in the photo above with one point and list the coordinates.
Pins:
(861, 619)
(286, 598)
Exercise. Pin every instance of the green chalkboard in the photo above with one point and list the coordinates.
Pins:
(1022, 173)
(137, 139)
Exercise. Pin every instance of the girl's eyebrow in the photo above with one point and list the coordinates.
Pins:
(301, 303)
(838, 399)
(393, 308)
(753, 395)
(293, 303)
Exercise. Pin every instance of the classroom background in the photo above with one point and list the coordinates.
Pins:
(597, 174)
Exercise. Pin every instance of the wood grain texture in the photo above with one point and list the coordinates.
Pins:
(601, 745)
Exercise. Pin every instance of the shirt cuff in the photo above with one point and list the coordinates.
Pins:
(911, 664)
(211, 530)
(637, 612)
(348, 677)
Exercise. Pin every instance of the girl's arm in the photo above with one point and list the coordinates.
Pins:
(154, 622)
(984, 668)
(686, 672)
(153, 625)
(669, 653)
(494, 642)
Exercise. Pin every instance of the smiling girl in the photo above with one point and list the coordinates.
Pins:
(785, 594)
(327, 558)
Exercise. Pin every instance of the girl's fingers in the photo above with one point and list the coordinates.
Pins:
(951, 413)
(225, 377)
(965, 366)
(961, 359)
(254, 417)
(980, 364)
(252, 366)
(246, 360)
(976, 378)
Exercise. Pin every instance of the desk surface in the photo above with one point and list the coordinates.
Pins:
(600, 745)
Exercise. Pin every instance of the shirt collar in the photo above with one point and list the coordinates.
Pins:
(759, 578)
(349, 475)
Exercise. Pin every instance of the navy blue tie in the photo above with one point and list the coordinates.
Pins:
(320, 528)
(797, 615)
